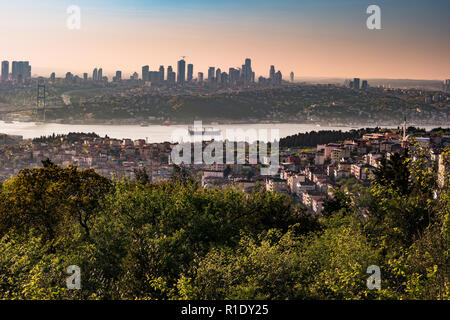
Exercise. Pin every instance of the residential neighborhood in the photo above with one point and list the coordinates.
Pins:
(308, 176)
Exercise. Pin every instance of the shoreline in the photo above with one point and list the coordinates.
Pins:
(144, 124)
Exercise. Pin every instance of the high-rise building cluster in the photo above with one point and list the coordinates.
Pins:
(242, 76)
(20, 71)
(215, 76)
(155, 76)
(357, 84)
(97, 74)
(275, 77)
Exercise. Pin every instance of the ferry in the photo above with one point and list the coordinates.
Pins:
(208, 131)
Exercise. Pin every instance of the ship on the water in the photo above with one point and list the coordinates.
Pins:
(205, 131)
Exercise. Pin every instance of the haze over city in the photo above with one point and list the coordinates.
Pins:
(310, 38)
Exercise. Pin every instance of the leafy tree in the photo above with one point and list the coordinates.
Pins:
(394, 173)
(51, 198)
(339, 201)
(142, 176)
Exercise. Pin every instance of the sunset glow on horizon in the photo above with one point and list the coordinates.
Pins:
(311, 38)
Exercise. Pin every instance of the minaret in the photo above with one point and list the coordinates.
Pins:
(404, 129)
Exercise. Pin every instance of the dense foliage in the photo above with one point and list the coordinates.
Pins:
(313, 138)
(177, 240)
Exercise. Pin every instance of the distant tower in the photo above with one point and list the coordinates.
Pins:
(292, 76)
(5, 71)
(118, 75)
(211, 72)
(404, 129)
(364, 84)
(278, 77)
(218, 75)
(248, 70)
(94, 75)
(181, 77)
(145, 73)
(272, 72)
(190, 72)
(161, 74)
(100, 74)
(169, 73)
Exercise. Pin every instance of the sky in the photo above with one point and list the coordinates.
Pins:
(312, 38)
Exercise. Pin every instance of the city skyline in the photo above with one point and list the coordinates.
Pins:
(311, 39)
(21, 71)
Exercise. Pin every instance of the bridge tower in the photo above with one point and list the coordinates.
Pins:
(40, 102)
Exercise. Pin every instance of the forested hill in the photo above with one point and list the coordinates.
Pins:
(133, 239)
(313, 138)
(303, 104)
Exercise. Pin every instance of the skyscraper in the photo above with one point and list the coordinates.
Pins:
(14, 70)
(248, 70)
(190, 72)
(181, 72)
(233, 75)
(53, 76)
(272, 73)
(21, 71)
(211, 72)
(26, 70)
(356, 83)
(292, 76)
(278, 77)
(170, 75)
(145, 73)
(69, 76)
(100, 74)
(161, 74)
(5, 71)
(223, 78)
(218, 75)
(94, 75)
(85, 76)
(118, 76)
(364, 84)
(169, 70)
(200, 77)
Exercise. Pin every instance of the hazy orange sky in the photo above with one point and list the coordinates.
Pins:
(312, 38)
